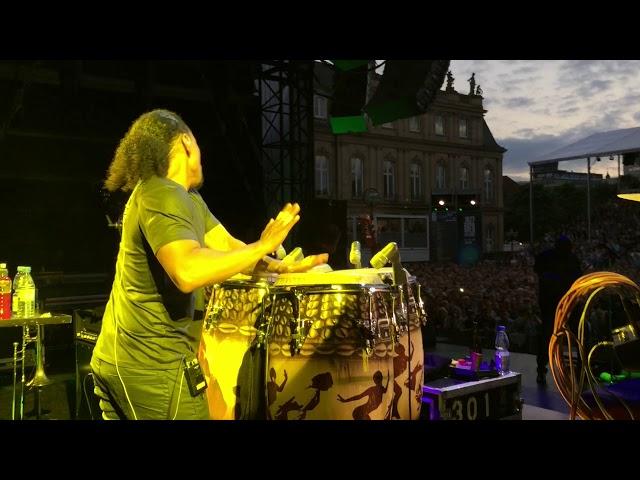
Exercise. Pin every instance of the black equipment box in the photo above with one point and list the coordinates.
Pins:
(486, 399)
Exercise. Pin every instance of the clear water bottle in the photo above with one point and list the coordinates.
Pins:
(14, 299)
(24, 293)
(5, 293)
(502, 351)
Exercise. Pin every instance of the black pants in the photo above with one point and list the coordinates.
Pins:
(152, 394)
(545, 330)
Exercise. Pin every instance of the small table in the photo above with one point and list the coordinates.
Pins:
(40, 379)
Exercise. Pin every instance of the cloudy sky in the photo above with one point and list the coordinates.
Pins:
(537, 106)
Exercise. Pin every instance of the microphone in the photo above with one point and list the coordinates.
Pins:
(355, 257)
(294, 256)
(390, 254)
(281, 252)
(386, 255)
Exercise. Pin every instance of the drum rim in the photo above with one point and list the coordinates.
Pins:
(322, 288)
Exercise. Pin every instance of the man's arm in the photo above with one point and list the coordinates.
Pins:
(191, 266)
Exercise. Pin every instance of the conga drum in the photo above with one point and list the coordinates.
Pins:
(408, 351)
(232, 348)
(408, 358)
(330, 346)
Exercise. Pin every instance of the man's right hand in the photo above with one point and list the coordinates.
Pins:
(277, 230)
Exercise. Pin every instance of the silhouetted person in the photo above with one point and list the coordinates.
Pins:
(557, 269)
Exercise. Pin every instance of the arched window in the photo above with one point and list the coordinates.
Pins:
(489, 182)
(389, 175)
(415, 174)
(439, 125)
(441, 176)
(464, 177)
(357, 176)
(414, 124)
(322, 175)
(490, 238)
(463, 132)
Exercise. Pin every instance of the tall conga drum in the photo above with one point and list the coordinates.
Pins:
(232, 349)
(408, 350)
(331, 342)
(408, 357)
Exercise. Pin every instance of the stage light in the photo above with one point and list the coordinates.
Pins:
(472, 202)
(441, 203)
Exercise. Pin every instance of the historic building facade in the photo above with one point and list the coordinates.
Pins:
(431, 183)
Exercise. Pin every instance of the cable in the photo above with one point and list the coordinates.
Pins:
(569, 385)
(115, 318)
(179, 391)
(86, 395)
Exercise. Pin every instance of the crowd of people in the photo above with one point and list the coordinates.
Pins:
(461, 299)
(504, 291)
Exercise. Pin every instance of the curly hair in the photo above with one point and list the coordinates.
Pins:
(145, 149)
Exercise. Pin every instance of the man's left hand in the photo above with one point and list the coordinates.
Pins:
(307, 263)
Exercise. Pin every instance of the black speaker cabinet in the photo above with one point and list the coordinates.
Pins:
(87, 406)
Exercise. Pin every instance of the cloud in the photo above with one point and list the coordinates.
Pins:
(525, 70)
(518, 102)
(527, 146)
(568, 111)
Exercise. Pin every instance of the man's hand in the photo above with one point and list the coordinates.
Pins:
(303, 265)
(277, 230)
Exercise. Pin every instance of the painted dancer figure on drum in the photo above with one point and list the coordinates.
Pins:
(374, 393)
(144, 362)
(273, 388)
(400, 362)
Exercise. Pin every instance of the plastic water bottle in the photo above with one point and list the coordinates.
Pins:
(24, 293)
(502, 351)
(14, 299)
(5, 293)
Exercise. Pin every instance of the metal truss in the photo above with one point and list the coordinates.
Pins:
(286, 100)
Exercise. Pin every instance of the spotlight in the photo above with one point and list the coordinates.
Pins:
(461, 290)
(441, 203)
(472, 202)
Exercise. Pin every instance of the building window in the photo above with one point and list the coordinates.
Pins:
(416, 180)
(389, 179)
(407, 231)
(387, 125)
(441, 180)
(488, 184)
(462, 128)
(415, 233)
(389, 229)
(414, 124)
(464, 178)
(322, 175)
(490, 238)
(356, 177)
(319, 106)
(439, 124)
